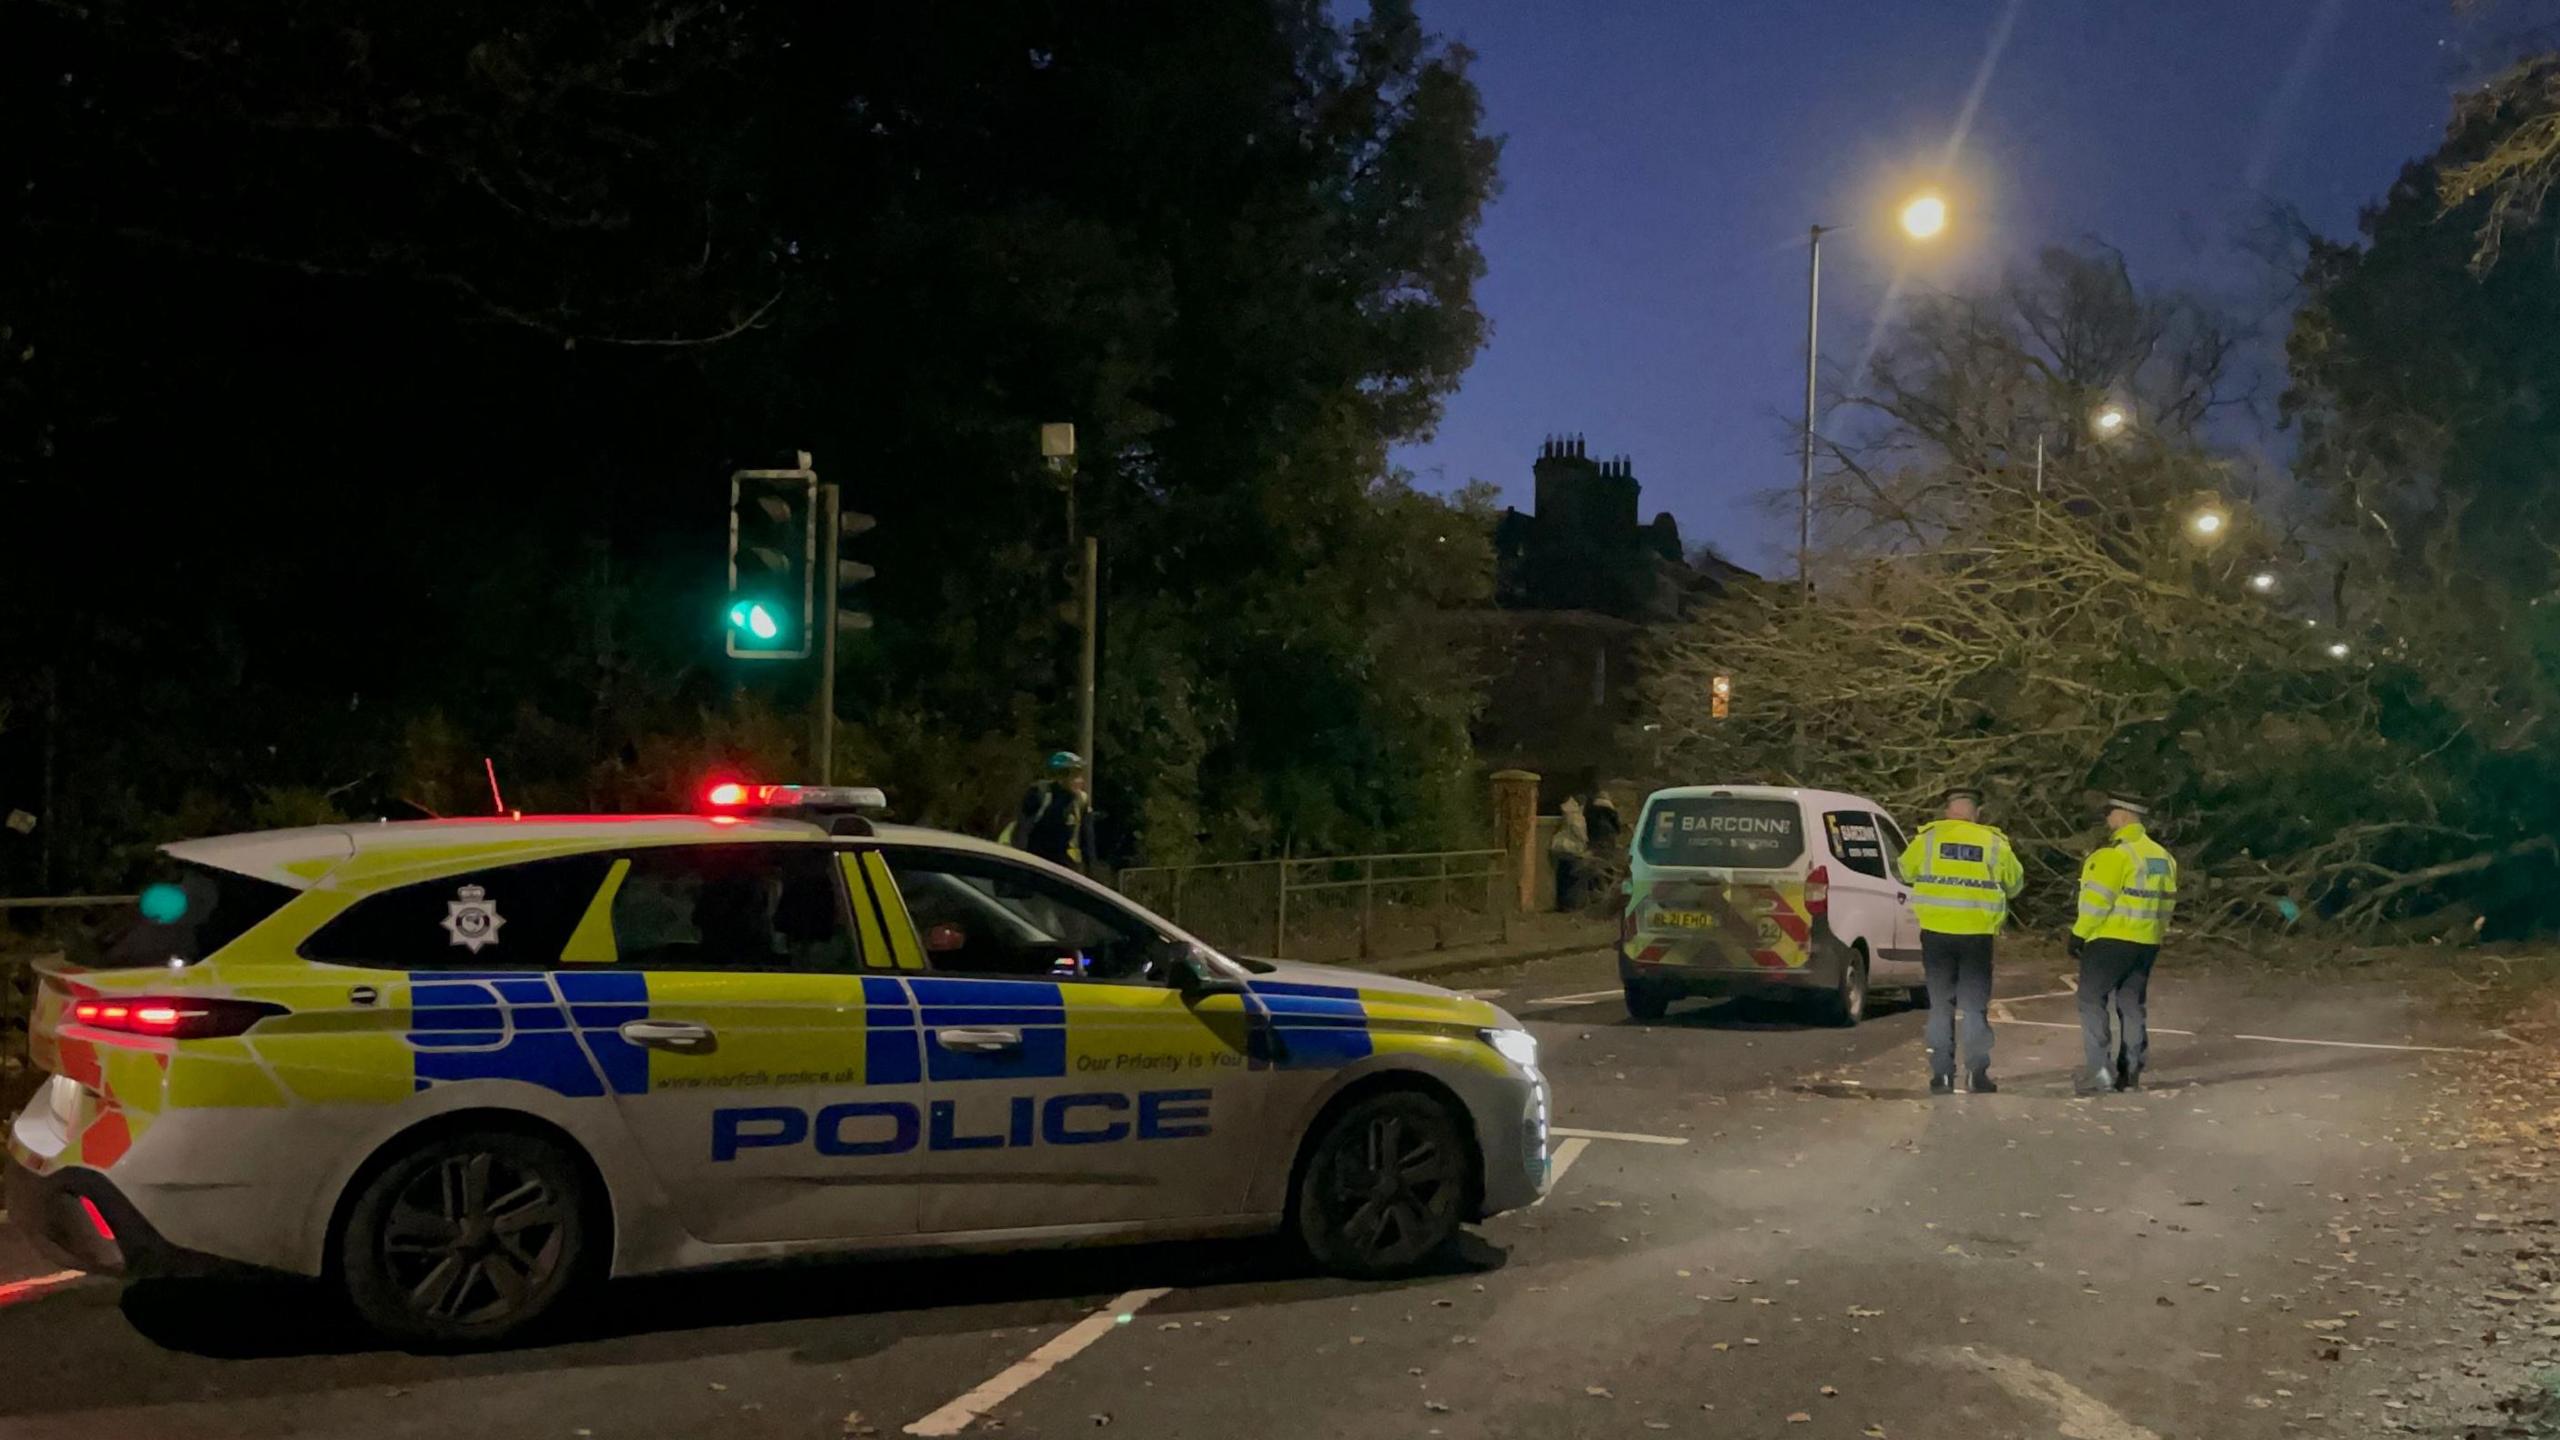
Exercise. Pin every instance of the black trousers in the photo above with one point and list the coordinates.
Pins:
(2115, 976)
(1959, 970)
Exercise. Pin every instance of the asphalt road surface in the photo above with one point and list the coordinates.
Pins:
(1768, 1229)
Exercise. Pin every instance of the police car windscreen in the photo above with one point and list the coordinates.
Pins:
(1723, 832)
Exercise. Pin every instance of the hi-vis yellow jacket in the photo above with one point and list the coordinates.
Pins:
(1962, 874)
(2128, 890)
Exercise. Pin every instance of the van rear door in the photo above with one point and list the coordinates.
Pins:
(1724, 884)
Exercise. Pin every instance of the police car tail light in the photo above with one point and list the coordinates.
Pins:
(1817, 890)
(173, 1018)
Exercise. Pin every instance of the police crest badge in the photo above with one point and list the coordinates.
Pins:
(472, 919)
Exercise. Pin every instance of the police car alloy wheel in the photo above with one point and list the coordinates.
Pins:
(1385, 1186)
(468, 1239)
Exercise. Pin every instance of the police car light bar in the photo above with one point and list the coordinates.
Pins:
(737, 795)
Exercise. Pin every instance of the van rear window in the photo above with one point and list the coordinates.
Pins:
(1723, 832)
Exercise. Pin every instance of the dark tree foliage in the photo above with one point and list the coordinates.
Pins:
(371, 372)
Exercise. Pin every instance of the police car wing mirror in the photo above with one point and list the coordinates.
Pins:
(944, 938)
(1196, 975)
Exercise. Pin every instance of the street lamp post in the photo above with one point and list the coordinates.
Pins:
(1922, 218)
(1812, 360)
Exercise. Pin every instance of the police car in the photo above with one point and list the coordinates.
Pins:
(460, 1069)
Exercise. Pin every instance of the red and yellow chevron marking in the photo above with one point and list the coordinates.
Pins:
(1767, 924)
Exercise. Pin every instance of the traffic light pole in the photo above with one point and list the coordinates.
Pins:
(830, 505)
(1084, 668)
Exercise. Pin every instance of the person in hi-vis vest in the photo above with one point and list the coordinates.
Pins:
(2128, 891)
(1962, 875)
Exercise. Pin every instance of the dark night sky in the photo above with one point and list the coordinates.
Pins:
(1663, 158)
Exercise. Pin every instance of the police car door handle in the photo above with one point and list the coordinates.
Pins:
(978, 1041)
(667, 1034)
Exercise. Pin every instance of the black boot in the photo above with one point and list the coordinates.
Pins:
(2129, 1078)
(1942, 1084)
(1981, 1084)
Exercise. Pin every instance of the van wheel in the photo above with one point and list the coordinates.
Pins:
(1383, 1186)
(1645, 1002)
(469, 1240)
(1846, 1005)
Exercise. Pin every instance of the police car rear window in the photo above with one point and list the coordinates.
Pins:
(503, 917)
(185, 914)
(1723, 832)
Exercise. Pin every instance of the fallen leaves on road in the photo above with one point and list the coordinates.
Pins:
(1801, 1417)
(1830, 1390)
(1599, 1392)
(855, 1425)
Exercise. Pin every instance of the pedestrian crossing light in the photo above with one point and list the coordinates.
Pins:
(773, 548)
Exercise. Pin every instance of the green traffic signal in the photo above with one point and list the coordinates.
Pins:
(755, 619)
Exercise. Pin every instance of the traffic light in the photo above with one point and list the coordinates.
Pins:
(1720, 697)
(850, 573)
(773, 562)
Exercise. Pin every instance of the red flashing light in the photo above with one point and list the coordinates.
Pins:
(97, 1220)
(725, 794)
(173, 1019)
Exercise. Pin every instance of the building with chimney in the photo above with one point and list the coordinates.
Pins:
(1581, 587)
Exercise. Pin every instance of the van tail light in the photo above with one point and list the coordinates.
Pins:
(1817, 891)
(173, 1017)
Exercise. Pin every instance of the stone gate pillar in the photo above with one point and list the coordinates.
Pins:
(1515, 829)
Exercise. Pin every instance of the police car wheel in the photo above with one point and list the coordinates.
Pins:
(1384, 1186)
(467, 1240)
(1647, 1002)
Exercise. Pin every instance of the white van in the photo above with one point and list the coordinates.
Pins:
(1764, 889)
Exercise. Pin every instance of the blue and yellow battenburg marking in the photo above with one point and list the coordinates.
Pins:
(561, 1030)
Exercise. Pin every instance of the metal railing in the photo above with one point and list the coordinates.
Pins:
(1333, 907)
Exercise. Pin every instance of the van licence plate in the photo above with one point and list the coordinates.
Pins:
(1685, 919)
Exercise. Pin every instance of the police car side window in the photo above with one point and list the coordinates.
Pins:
(1895, 841)
(1855, 840)
(975, 915)
(732, 907)
(503, 917)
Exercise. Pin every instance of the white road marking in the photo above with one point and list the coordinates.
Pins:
(1618, 1135)
(16, 1290)
(1582, 999)
(2359, 1044)
(2074, 1025)
(2268, 1039)
(957, 1416)
(1558, 1163)
(1484, 994)
(2078, 1414)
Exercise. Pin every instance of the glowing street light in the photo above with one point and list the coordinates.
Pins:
(2264, 582)
(2208, 523)
(1924, 217)
(2109, 421)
